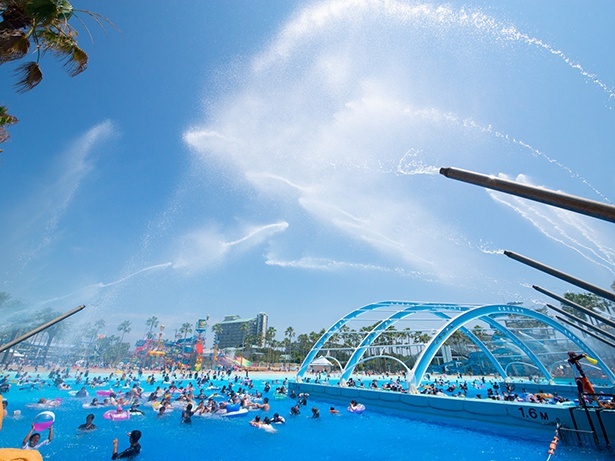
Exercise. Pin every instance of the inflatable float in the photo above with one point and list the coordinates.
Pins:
(104, 392)
(156, 407)
(358, 408)
(16, 454)
(47, 404)
(115, 415)
(229, 414)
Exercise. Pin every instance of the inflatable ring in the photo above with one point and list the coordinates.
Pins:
(113, 415)
(16, 454)
(358, 409)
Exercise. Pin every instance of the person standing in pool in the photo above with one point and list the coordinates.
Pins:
(133, 450)
(32, 440)
(88, 425)
(187, 414)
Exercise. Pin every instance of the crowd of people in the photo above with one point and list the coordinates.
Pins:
(193, 394)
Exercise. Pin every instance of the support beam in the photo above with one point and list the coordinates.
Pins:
(39, 329)
(561, 319)
(584, 206)
(576, 306)
(581, 321)
(562, 276)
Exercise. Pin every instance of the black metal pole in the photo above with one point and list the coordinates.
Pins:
(605, 341)
(576, 306)
(39, 329)
(562, 276)
(581, 321)
(584, 206)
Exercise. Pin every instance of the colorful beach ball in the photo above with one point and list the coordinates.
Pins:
(44, 420)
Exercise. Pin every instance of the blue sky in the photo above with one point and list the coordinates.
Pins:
(231, 157)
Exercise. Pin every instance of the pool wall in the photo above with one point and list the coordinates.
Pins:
(523, 417)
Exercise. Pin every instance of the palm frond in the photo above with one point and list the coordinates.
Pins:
(78, 61)
(63, 44)
(46, 12)
(99, 18)
(29, 75)
(6, 118)
(14, 44)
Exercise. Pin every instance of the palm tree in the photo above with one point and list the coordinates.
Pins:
(6, 119)
(44, 25)
(216, 330)
(269, 341)
(124, 327)
(185, 329)
(151, 323)
(52, 332)
(245, 327)
(289, 334)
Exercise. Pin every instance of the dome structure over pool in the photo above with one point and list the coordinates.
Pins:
(504, 339)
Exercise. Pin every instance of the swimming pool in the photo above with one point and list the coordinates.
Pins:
(371, 435)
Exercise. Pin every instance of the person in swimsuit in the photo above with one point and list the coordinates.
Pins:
(187, 414)
(32, 440)
(133, 450)
(88, 425)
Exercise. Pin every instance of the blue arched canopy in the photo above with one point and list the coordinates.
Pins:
(452, 318)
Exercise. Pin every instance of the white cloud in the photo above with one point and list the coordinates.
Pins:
(38, 220)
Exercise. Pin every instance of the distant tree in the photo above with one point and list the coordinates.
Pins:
(459, 340)
(270, 341)
(151, 323)
(49, 335)
(244, 327)
(216, 330)
(16, 321)
(111, 350)
(590, 301)
(186, 329)
(124, 327)
(99, 325)
(43, 25)
(481, 333)
(289, 334)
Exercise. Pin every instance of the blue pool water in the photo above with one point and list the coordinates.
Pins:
(371, 435)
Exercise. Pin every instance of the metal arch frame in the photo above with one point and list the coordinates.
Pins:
(369, 339)
(331, 331)
(436, 342)
(343, 321)
(521, 363)
(383, 356)
(336, 360)
(420, 367)
(447, 331)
